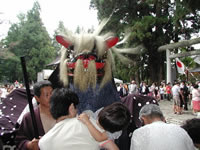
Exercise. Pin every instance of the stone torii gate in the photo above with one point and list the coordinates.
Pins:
(170, 56)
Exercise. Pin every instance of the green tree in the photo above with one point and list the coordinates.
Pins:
(29, 38)
(152, 23)
(58, 31)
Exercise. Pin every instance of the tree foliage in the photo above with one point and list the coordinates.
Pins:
(27, 38)
(152, 23)
(58, 31)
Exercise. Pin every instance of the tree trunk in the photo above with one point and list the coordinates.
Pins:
(156, 67)
(156, 59)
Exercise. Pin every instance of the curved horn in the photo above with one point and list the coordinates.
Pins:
(62, 40)
(111, 41)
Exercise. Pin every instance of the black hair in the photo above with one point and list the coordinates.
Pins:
(114, 117)
(60, 101)
(196, 86)
(183, 82)
(37, 87)
(192, 126)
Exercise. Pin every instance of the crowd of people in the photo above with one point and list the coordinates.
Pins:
(6, 89)
(60, 127)
(181, 93)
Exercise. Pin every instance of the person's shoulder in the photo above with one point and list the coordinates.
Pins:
(141, 130)
(27, 115)
(71, 120)
(175, 128)
(172, 125)
(66, 125)
(142, 133)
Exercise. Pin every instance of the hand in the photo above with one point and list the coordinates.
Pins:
(84, 118)
(33, 145)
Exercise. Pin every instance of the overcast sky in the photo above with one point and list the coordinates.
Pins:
(71, 12)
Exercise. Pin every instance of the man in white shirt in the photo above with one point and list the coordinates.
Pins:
(176, 98)
(158, 135)
(133, 89)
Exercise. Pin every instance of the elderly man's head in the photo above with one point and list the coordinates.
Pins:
(150, 113)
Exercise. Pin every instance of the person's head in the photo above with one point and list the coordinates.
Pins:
(144, 83)
(42, 91)
(63, 102)
(114, 117)
(182, 90)
(196, 86)
(21, 85)
(150, 113)
(183, 82)
(192, 126)
(133, 82)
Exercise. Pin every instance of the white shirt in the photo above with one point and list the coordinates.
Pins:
(133, 89)
(4, 93)
(69, 134)
(195, 95)
(161, 136)
(143, 88)
(175, 90)
(162, 91)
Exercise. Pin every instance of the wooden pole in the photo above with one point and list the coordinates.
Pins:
(36, 132)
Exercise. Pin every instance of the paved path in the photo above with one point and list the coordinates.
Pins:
(167, 109)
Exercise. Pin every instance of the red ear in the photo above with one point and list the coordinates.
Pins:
(111, 41)
(60, 39)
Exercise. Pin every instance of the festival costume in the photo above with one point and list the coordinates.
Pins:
(86, 65)
(10, 110)
(26, 130)
(161, 136)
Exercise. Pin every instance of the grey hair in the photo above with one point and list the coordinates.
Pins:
(151, 110)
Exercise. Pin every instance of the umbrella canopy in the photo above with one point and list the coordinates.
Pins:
(10, 109)
(118, 80)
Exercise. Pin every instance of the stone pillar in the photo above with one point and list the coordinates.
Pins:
(169, 69)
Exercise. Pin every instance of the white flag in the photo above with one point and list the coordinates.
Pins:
(180, 66)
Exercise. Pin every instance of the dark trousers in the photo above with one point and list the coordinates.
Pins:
(186, 103)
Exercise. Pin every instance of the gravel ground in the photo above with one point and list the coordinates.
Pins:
(167, 109)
